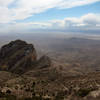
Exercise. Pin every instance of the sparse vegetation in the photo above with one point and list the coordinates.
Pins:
(84, 92)
(44, 79)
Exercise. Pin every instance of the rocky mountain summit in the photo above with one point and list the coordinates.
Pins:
(16, 56)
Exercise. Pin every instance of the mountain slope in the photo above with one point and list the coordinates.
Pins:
(24, 77)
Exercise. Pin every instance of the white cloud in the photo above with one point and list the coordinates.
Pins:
(91, 19)
(23, 9)
(74, 3)
(88, 22)
(5, 2)
(5, 15)
(26, 9)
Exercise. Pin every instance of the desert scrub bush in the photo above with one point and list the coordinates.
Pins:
(59, 96)
(8, 91)
(84, 92)
(28, 99)
(10, 97)
(7, 95)
(1, 94)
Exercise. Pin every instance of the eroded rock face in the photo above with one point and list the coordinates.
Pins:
(17, 56)
(44, 62)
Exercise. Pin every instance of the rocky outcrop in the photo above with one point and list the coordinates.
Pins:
(17, 56)
(44, 62)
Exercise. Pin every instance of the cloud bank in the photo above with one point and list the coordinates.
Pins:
(89, 22)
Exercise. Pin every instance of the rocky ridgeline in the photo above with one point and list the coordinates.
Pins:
(18, 57)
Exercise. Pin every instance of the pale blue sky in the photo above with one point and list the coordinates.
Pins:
(54, 13)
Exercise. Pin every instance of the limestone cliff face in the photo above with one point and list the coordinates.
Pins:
(17, 56)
